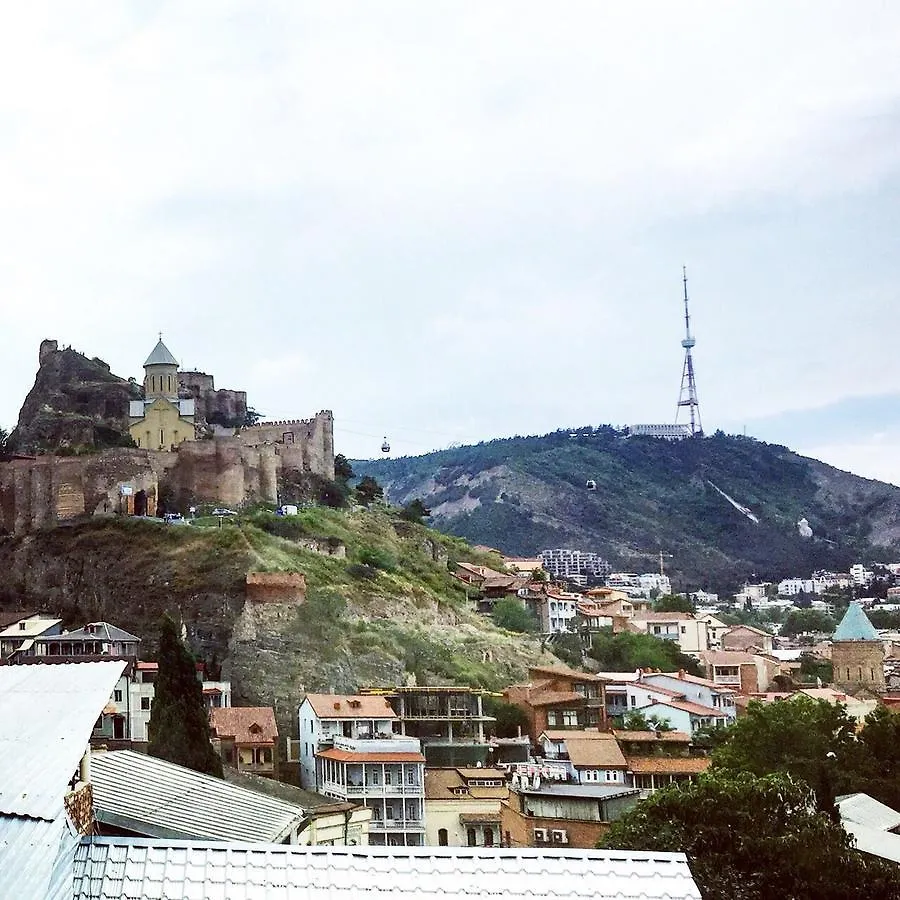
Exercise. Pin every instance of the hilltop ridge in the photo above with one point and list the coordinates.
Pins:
(525, 494)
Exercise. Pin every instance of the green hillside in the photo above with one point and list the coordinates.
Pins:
(525, 494)
(381, 606)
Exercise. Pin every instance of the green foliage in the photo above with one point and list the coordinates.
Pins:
(751, 837)
(511, 719)
(637, 721)
(509, 613)
(343, 471)
(252, 417)
(377, 559)
(674, 603)
(415, 511)
(813, 668)
(811, 740)
(626, 652)
(179, 721)
(569, 648)
(799, 621)
(649, 487)
(368, 490)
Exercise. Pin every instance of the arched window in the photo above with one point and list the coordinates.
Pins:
(470, 837)
(488, 837)
(442, 837)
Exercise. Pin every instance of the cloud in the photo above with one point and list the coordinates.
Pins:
(454, 218)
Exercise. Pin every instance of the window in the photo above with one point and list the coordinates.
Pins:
(470, 837)
(442, 837)
(117, 696)
(488, 837)
(411, 777)
(684, 629)
(145, 703)
(633, 700)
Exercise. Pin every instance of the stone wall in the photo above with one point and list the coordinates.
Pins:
(305, 445)
(42, 491)
(79, 805)
(858, 666)
(209, 404)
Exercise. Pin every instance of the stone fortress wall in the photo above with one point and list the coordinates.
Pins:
(209, 404)
(46, 490)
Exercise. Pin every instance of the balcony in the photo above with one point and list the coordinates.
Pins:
(381, 790)
(397, 825)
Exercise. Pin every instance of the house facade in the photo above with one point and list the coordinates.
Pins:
(246, 738)
(462, 806)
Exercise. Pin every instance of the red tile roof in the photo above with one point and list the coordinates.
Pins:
(353, 756)
(244, 724)
(668, 765)
(352, 706)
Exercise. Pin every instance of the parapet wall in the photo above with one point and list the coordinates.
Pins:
(305, 445)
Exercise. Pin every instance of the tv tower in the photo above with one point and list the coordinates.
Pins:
(688, 396)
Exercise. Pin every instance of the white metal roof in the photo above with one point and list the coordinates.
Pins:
(159, 799)
(47, 715)
(34, 627)
(868, 811)
(119, 868)
(160, 355)
(37, 858)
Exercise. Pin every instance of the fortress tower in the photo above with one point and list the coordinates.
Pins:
(857, 654)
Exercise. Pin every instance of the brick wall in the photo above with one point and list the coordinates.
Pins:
(80, 807)
(517, 829)
(276, 587)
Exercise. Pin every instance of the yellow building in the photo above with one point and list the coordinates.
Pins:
(161, 421)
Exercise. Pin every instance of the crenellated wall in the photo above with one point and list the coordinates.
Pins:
(43, 491)
(305, 445)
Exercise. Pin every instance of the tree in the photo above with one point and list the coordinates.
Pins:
(511, 720)
(369, 490)
(799, 621)
(415, 511)
(810, 740)
(627, 652)
(674, 603)
(343, 471)
(179, 721)
(509, 613)
(751, 837)
(251, 417)
(637, 721)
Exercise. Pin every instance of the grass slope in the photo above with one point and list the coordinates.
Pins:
(526, 494)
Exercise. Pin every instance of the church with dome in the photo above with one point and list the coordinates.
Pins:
(161, 420)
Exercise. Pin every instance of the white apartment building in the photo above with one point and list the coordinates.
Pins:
(568, 565)
(861, 575)
(690, 633)
(653, 581)
(559, 611)
(349, 750)
(753, 592)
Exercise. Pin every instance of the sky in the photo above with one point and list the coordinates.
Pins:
(449, 222)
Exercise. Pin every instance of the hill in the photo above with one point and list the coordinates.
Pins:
(525, 494)
(381, 606)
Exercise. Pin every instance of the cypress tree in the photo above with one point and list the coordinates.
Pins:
(179, 721)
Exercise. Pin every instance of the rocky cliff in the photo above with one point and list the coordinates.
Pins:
(75, 403)
(379, 605)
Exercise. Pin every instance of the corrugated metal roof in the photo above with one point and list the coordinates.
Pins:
(48, 713)
(159, 799)
(119, 868)
(37, 858)
(101, 630)
(868, 811)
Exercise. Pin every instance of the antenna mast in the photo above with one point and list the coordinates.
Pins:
(688, 395)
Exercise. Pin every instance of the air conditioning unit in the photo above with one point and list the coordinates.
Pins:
(560, 837)
(522, 592)
(540, 834)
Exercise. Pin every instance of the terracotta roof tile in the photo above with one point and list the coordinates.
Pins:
(353, 756)
(668, 765)
(601, 751)
(244, 724)
(351, 706)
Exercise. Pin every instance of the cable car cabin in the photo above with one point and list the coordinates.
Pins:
(591, 485)
(385, 446)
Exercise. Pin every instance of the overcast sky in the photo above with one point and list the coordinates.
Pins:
(456, 221)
